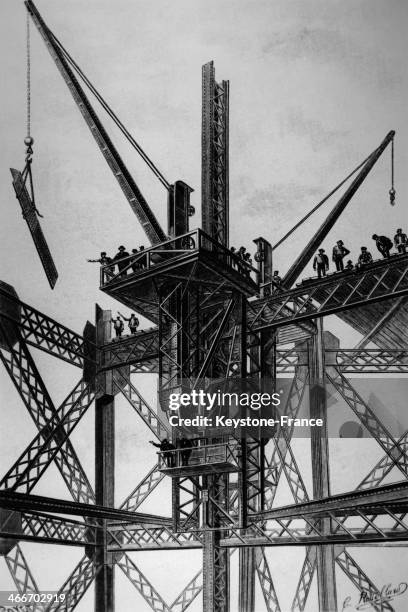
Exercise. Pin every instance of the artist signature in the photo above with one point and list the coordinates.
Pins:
(369, 601)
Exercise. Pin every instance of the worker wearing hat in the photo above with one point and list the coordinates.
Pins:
(321, 263)
(339, 253)
(401, 241)
(120, 255)
(365, 257)
(103, 260)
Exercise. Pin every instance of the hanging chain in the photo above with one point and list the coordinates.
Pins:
(392, 191)
(28, 141)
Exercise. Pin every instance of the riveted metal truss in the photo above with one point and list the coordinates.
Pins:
(379, 281)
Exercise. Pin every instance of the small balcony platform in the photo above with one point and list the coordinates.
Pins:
(192, 258)
(206, 459)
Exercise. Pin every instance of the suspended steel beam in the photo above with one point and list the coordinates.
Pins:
(30, 216)
(305, 256)
(126, 182)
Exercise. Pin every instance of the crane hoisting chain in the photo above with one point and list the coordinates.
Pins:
(28, 140)
(392, 192)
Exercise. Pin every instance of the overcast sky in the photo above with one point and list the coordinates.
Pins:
(315, 85)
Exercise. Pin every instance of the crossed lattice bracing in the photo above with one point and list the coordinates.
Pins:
(380, 519)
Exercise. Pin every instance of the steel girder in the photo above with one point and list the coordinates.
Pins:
(382, 280)
(139, 350)
(21, 574)
(40, 527)
(394, 450)
(76, 585)
(266, 582)
(44, 333)
(52, 437)
(157, 425)
(215, 128)
(30, 466)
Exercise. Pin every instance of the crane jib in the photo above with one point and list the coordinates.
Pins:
(131, 191)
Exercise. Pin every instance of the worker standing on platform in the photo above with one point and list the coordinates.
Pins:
(103, 260)
(166, 447)
(384, 245)
(321, 263)
(142, 260)
(364, 258)
(400, 241)
(276, 281)
(339, 253)
(121, 254)
(118, 326)
(133, 322)
(187, 448)
(136, 265)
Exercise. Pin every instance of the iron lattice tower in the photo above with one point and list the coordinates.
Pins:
(213, 319)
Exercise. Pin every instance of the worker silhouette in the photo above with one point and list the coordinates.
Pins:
(118, 326)
(166, 447)
(103, 259)
(120, 255)
(276, 281)
(143, 259)
(364, 258)
(321, 263)
(384, 245)
(186, 446)
(349, 265)
(339, 253)
(133, 322)
(401, 241)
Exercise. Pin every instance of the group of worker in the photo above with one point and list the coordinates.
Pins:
(340, 252)
(119, 326)
(185, 445)
(244, 257)
(119, 260)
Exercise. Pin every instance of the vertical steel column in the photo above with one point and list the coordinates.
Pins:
(215, 144)
(216, 567)
(320, 468)
(104, 468)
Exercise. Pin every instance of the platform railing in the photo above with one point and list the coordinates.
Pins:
(208, 454)
(176, 248)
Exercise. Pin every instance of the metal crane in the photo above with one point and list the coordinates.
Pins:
(128, 185)
(307, 253)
